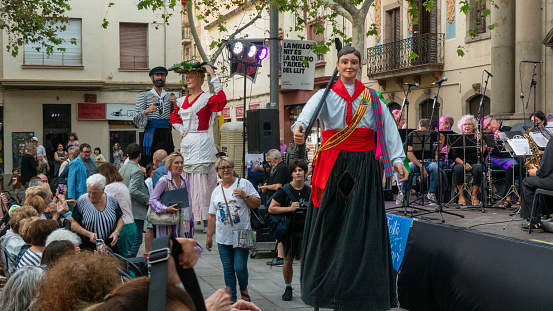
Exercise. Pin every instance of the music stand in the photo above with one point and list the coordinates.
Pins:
(427, 137)
(462, 141)
(420, 142)
(492, 143)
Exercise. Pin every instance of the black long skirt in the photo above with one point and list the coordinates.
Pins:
(346, 258)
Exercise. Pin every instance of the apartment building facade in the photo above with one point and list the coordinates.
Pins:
(91, 88)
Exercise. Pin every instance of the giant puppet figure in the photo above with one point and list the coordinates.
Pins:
(193, 117)
(152, 112)
(346, 258)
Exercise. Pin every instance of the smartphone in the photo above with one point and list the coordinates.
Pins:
(60, 188)
(179, 205)
(101, 246)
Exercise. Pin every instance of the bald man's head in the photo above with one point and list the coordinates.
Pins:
(158, 157)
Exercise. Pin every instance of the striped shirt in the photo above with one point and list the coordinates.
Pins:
(145, 100)
(103, 223)
(30, 258)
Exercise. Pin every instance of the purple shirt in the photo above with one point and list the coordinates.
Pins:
(187, 227)
(283, 149)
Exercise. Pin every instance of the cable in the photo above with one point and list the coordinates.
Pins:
(492, 223)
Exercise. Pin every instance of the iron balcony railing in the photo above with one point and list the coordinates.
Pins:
(395, 55)
(54, 59)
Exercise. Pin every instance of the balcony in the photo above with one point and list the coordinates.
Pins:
(392, 59)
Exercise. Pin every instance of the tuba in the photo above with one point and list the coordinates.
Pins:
(535, 158)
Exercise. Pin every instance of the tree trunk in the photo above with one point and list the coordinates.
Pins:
(358, 41)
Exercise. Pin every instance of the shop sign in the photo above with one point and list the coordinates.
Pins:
(254, 106)
(239, 111)
(120, 112)
(88, 111)
(226, 113)
(298, 65)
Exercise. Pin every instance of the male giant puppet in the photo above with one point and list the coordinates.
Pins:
(152, 111)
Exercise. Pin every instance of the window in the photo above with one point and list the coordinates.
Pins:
(317, 37)
(474, 104)
(72, 56)
(477, 21)
(133, 46)
(393, 26)
(426, 111)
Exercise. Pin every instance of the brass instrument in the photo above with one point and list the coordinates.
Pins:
(535, 158)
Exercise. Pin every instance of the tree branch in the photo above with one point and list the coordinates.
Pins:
(193, 31)
(221, 46)
(365, 7)
(339, 9)
(350, 8)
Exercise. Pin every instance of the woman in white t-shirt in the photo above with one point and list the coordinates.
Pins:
(240, 196)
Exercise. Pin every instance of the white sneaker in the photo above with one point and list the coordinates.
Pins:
(399, 200)
(432, 198)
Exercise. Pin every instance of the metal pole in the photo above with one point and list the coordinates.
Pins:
(274, 57)
(244, 122)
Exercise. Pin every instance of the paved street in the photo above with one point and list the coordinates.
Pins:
(266, 284)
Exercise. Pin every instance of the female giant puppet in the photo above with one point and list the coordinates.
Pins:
(193, 117)
(346, 259)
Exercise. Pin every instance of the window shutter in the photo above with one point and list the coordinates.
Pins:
(133, 46)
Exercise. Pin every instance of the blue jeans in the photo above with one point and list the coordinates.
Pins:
(235, 265)
(431, 168)
(139, 234)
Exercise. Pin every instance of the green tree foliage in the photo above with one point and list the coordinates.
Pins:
(38, 22)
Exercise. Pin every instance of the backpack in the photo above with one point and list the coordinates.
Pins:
(279, 224)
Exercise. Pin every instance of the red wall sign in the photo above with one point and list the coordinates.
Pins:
(254, 106)
(239, 111)
(226, 113)
(89, 111)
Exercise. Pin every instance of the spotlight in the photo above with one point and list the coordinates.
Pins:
(252, 51)
(238, 47)
(262, 53)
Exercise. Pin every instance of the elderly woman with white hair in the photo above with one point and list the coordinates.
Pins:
(466, 161)
(21, 289)
(97, 215)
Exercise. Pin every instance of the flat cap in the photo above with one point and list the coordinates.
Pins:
(158, 69)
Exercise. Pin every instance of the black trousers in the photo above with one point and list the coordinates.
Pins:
(459, 173)
(529, 186)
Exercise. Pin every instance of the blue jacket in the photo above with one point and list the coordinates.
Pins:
(76, 179)
(158, 173)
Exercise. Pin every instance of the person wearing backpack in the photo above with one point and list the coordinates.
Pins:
(278, 177)
(291, 200)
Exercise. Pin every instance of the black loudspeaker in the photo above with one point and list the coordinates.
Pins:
(262, 130)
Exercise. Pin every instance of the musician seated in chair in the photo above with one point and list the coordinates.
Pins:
(539, 177)
(466, 160)
(501, 160)
(446, 124)
(539, 117)
(429, 166)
